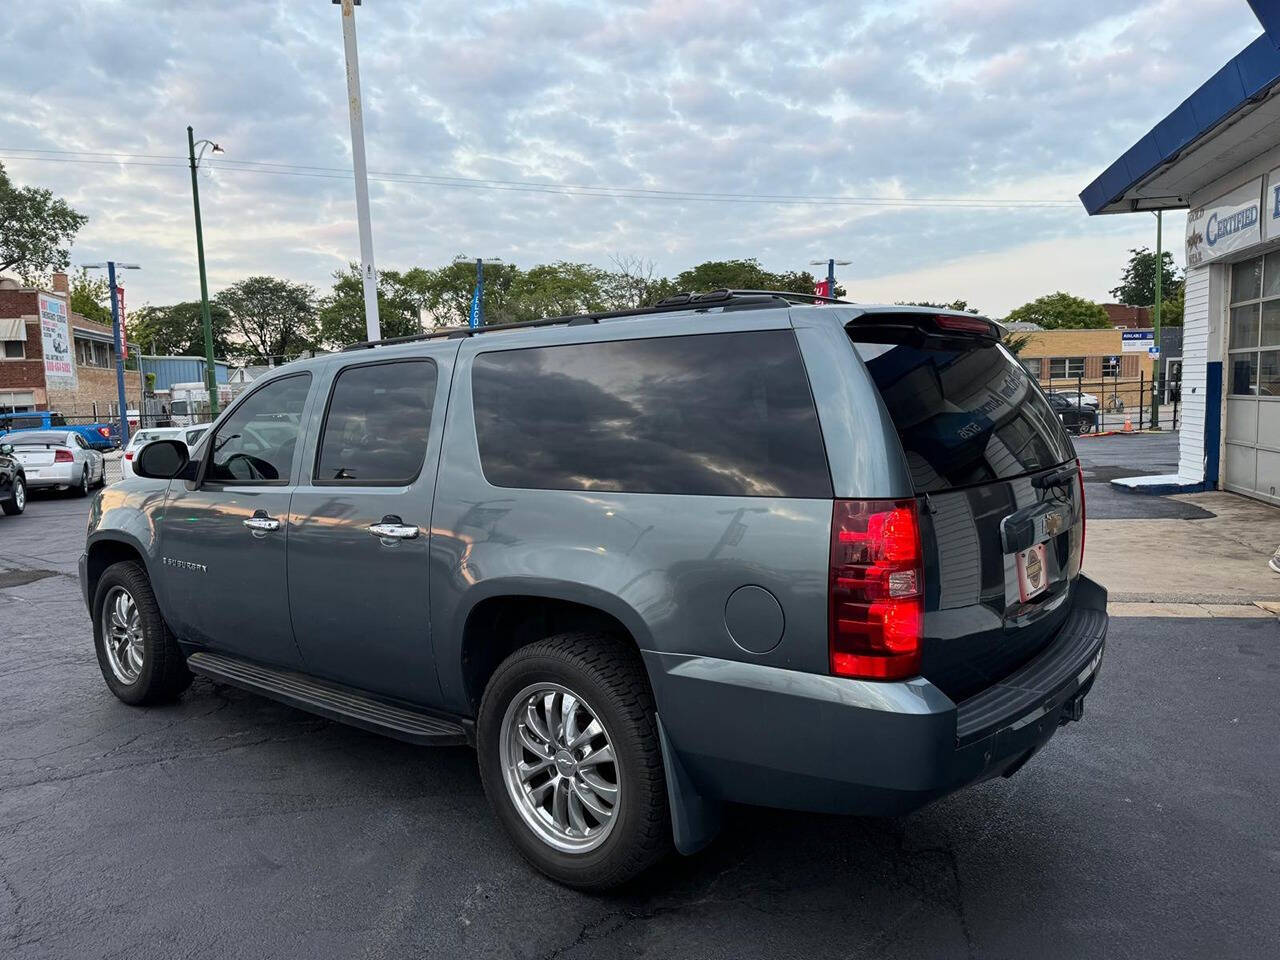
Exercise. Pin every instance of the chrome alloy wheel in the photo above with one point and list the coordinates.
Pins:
(122, 634)
(559, 767)
(20, 495)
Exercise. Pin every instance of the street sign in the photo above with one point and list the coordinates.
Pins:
(1153, 351)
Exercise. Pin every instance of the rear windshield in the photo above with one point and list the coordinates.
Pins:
(966, 414)
(34, 438)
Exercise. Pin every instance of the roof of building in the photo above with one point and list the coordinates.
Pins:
(1231, 118)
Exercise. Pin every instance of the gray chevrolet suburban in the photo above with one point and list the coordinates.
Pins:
(739, 547)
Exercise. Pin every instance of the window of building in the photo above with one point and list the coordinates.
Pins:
(255, 444)
(91, 353)
(13, 350)
(1060, 367)
(725, 414)
(1032, 366)
(1111, 366)
(378, 423)
(1253, 338)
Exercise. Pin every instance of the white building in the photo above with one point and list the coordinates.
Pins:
(1218, 155)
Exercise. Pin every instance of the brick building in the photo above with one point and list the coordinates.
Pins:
(1093, 360)
(87, 388)
(1125, 317)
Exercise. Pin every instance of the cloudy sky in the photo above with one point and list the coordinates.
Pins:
(979, 100)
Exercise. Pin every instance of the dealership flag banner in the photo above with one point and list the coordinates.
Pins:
(55, 340)
(124, 339)
(1230, 223)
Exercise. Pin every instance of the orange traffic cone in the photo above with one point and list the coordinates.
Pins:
(1128, 424)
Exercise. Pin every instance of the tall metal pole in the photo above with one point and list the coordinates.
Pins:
(115, 333)
(480, 290)
(1155, 322)
(373, 329)
(210, 369)
(831, 278)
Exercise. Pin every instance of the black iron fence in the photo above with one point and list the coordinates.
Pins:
(1139, 401)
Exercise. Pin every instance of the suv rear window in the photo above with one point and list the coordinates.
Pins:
(727, 414)
(966, 413)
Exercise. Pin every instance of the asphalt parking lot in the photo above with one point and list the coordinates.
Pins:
(228, 826)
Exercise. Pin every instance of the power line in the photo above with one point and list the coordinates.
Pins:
(523, 186)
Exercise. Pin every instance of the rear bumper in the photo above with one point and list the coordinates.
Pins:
(53, 475)
(761, 735)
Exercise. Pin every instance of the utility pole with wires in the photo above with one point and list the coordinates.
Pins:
(373, 328)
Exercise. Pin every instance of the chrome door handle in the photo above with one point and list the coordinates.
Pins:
(393, 528)
(262, 523)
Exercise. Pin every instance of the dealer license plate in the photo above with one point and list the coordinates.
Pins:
(1033, 572)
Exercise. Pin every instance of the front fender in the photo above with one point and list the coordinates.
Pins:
(127, 514)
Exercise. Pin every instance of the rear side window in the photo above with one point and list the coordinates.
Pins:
(966, 414)
(377, 426)
(715, 415)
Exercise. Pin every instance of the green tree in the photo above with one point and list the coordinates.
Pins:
(177, 330)
(271, 318)
(36, 228)
(558, 290)
(446, 291)
(1016, 342)
(1061, 311)
(89, 296)
(953, 305)
(401, 297)
(743, 275)
(1138, 282)
(1172, 309)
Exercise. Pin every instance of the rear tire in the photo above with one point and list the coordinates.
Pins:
(17, 499)
(608, 680)
(82, 488)
(137, 654)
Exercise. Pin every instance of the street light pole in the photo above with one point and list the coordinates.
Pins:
(1155, 322)
(831, 272)
(373, 329)
(210, 370)
(117, 335)
(476, 317)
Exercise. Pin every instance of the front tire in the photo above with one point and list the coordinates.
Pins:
(570, 761)
(17, 501)
(137, 654)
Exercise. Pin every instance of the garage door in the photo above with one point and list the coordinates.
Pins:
(1253, 379)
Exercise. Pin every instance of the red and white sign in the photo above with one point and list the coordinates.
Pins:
(822, 288)
(124, 339)
(55, 342)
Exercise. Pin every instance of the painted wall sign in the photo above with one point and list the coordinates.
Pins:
(1230, 223)
(55, 340)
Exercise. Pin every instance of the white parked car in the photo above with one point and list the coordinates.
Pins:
(188, 435)
(58, 458)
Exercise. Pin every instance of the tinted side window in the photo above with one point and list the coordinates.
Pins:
(57, 420)
(718, 414)
(378, 422)
(256, 443)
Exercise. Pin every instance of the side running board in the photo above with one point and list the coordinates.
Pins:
(331, 700)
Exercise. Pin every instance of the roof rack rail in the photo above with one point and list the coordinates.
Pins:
(727, 299)
(792, 296)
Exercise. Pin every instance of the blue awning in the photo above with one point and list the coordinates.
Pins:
(1245, 80)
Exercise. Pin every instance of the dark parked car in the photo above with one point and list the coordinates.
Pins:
(731, 548)
(1076, 418)
(13, 482)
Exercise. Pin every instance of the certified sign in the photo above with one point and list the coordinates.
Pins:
(1230, 223)
(55, 341)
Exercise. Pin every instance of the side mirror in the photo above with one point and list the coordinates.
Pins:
(161, 460)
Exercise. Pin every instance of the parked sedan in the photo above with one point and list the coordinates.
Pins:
(140, 438)
(13, 482)
(58, 458)
(1078, 398)
(1076, 418)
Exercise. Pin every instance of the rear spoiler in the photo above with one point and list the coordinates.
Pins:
(918, 322)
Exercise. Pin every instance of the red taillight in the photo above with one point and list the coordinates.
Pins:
(63, 456)
(128, 454)
(104, 431)
(877, 589)
(1083, 524)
